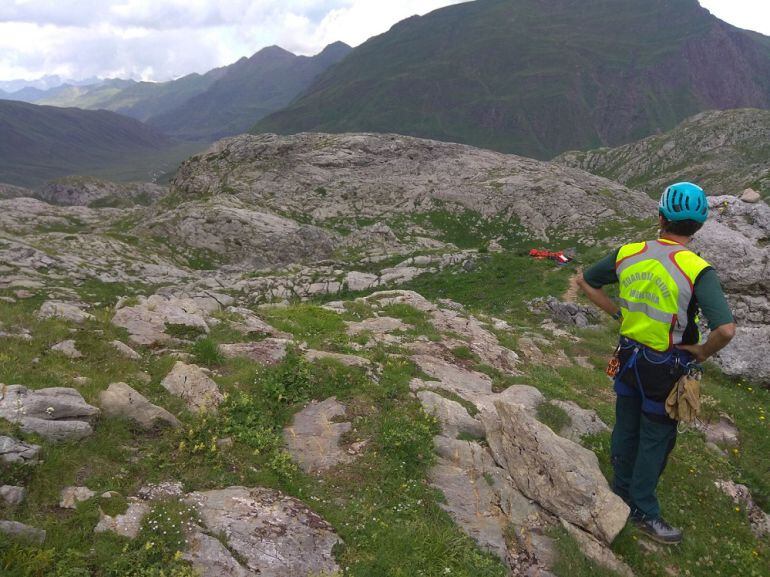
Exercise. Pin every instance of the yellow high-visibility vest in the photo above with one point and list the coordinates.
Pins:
(656, 285)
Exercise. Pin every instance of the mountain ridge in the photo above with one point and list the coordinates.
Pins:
(723, 151)
(38, 143)
(511, 76)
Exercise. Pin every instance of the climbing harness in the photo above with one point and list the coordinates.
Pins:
(676, 358)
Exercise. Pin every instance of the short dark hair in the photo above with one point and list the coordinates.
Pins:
(681, 227)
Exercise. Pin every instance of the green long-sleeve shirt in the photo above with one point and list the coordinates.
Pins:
(708, 291)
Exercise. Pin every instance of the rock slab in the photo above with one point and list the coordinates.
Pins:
(313, 438)
(15, 451)
(56, 413)
(560, 475)
(120, 400)
(272, 535)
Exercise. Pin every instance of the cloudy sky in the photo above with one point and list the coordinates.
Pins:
(163, 39)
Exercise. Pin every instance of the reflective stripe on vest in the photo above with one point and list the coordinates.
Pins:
(656, 287)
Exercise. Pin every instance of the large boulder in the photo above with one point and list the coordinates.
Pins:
(271, 534)
(560, 475)
(120, 400)
(194, 386)
(56, 413)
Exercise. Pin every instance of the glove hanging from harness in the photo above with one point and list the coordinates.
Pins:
(683, 403)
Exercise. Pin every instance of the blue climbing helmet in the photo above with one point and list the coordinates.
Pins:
(684, 201)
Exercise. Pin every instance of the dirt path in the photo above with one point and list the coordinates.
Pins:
(570, 295)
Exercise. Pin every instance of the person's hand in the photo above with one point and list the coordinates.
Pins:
(696, 351)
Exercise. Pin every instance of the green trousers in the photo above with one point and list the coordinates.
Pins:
(641, 445)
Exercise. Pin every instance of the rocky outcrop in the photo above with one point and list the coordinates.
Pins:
(560, 475)
(10, 191)
(348, 176)
(270, 534)
(120, 400)
(735, 241)
(740, 494)
(722, 150)
(452, 416)
(569, 313)
(149, 320)
(127, 524)
(56, 414)
(313, 438)
(15, 451)
(235, 232)
(125, 351)
(194, 386)
(86, 191)
(582, 422)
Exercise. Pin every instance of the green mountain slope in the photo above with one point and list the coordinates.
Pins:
(139, 100)
(724, 151)
(246, 92)
(538, 77)
(38, 143)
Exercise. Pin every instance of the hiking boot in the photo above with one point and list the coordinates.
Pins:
(658, 530)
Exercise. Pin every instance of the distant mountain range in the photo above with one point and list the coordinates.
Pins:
(723, 151)
(538, 77)
(222, 102)
(38, 143)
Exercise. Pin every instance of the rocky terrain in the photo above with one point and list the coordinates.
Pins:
(726, 152)
(89, 191)
(331, 355)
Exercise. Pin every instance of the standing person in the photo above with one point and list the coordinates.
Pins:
(662, 285)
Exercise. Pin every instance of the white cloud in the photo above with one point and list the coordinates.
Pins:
(748, 14)
(162, 39)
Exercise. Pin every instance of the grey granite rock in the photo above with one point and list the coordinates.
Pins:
(56, 413)
(15, 451)
(120, 400)
(194, 386)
